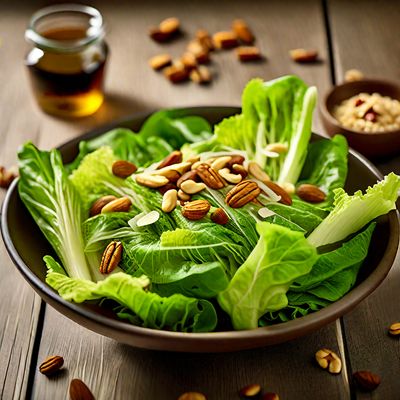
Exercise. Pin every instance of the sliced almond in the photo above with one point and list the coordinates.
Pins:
(160, 61)
(248, 53)
(225, 40)
(148, 219)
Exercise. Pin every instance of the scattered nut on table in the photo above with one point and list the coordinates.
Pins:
(366, 380)
(327, 359)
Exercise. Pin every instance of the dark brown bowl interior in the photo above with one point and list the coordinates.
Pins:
(370, 144)
(26, 246)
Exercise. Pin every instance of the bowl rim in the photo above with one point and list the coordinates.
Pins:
(288, 329)
(333, 121)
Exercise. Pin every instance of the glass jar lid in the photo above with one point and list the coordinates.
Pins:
(71, 17)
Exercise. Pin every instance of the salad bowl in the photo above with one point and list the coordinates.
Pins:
(26, 246)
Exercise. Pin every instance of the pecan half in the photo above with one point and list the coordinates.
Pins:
(111, 257)
(210, 177)
(243, 193)
(196, 209)
(51, 365)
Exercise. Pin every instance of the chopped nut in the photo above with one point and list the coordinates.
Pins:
(192, 187)
(353, 75)
(176, 74)
(51, 365)
(192, 396)
(169, 200)
(219, 216)
(174, 158)
(111, 257)
(123, 169)
(242, 31)
(327, 359)
(248, 53)
(367, 380)
(250, 391)
(201, 75)
(79, 391)
(170, 25)
(225, 40)
(394, 329)
(310, 193)
(122, 204)
(189, 61)
(229, 177)
(196, 209)
(152, 181)
(160, 61)
(205, 39)
(98, 205)
(303, 55)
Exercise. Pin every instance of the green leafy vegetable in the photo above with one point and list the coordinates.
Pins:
(55, 205)
(176, 313)
(260, 284)
(351, 213)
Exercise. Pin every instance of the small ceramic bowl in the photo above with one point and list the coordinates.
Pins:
(372, 145)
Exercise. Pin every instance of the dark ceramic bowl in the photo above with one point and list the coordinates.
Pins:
(372, 145)
(26, 246)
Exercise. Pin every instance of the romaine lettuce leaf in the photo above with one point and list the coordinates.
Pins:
(260, 284)
(351, 213)
(176, 312)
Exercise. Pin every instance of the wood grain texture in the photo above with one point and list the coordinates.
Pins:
(116, 371)
(371, 47)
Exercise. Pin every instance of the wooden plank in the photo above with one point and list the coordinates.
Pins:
(19, 306)
(116, 371)
(372, 27)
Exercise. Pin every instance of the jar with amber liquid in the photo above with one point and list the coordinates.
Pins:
(66, 63)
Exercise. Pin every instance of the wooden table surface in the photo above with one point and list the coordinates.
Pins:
(357, 34)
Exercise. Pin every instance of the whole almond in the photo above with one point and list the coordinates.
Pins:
(235, 159)
(170, 25)
(248, 53)
(250, 391)
(151, 181)
(328, 359)
(394, 329)
(173, 158)
(285, 197)
(225, 40)
(367, 380)
(310, 193)
(243, 193)
(219, 216)
(111, 257)
(51, 365)
(201, 75)
(160, 61)
(196, 209)
(303, 55)
(258, 173)
(242, 31)
(210, 177)
(192, 396)
(98, 205)
(123, 169)
(189, 175)
(169, 200)
(122, 204)
(79, 391)
(176, 74)
(239, 169)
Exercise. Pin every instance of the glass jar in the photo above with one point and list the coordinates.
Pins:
(66, 64)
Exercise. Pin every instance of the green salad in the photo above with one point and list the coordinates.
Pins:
(187, 227)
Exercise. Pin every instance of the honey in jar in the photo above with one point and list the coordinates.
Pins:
(66, 64)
